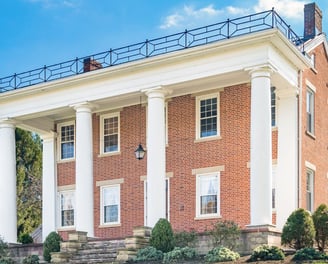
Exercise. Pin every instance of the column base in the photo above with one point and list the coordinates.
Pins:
(256, 235)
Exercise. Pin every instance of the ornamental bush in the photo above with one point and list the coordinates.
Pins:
(298, 232)
(162, 236)
(179, 254)
(225, 233)
(4, 253)
(25, 239)
(185, 239)
(32, 259)
(309, 254)
(219, 254)
(149, 254)
(51, 244)
(320, 220)
(266, 252)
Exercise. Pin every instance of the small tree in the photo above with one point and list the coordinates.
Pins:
(320, 221)
(298, 232)
(51, 244)
(225, 233)
(162, 236)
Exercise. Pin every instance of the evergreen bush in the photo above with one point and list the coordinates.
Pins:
(219, 254)
(185, 239)
(25, 239)
(149, 254)
(32, 259)
(298, 232)
(320, 221)
(266, 252)
(4, 253)
(309, 254)
(51, 244)
(162, 236)
(179, 254)
(225, 233)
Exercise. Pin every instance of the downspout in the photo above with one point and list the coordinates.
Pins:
(299, 143)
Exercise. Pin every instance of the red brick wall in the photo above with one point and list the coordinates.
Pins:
(183, 155)
(315, 149)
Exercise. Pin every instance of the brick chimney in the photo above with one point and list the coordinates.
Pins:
(90, 65)
(312, 21)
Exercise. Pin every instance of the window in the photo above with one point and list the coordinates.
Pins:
(67, 205)
(66, 140)
(110, 133)
(207, 195)
(309, 189)
(110, 204)
(208, 116)
(310, 111)
(273, 106)
(274, 172)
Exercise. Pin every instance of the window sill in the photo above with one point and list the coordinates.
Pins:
(109, 154)
(68, 228)
(65, 160)
(310, 134)
(274, 128)
(109, 225)
(207, 139)
(207, 217)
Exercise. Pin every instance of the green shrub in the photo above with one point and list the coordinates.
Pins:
(162, 236)
(309, 254)
(149, 254)
(219, 254)
(179, 254)
(225, 233)
(298, 232)
(185, 239)
(32, 259)
(266, 252)
(4, 253)
(320, 220)
(25, 239)
(51, 244)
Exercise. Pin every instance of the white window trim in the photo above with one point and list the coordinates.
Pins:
(102, 213)
(312, 188)
(310, 88)
(63, 190)
(59, 126)
(207, 216)
(198, 99)
(102, 118)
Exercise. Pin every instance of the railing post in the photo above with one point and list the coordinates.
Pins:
(77, 65)
(147, 48)
(185, 35)
(228, 28)
(272, 17)
(110, 57)
(45, 73)
(15, 87)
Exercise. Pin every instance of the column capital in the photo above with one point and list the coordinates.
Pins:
(262, 70)
(84, 106)
(51, 135)
(157, 92)
(7, 122)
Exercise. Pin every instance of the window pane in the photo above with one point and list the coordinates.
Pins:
(67, 204)
(208, 194)
(208, 204)
(273, 106)
(208, 117)
(310, 111)
(111, 200)
(111, 213)
(67, 142)
(111, 126)
(67, 150)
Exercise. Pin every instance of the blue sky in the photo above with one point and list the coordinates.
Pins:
(44, 32)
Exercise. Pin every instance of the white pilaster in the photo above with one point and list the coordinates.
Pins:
(8, 209)
(49, 184)
(84, 169)
(155, 156)
(261, 147)
(287, 171)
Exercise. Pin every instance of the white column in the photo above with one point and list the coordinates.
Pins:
(155, 156)
(8, 208)
(49, 184)
(84, 169)
(261, 147)
(286, 178)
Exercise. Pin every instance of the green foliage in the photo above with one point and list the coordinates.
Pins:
(309, 254)
(29, 172)
(51, 244)
(149, 254)
(185, 239)
(25, 239)
(4, 253)
(225, 233)
(179, 254)
(298, 232)
(162, 236)
(32, 259)
(320, 221)
(266, 252)
(219, 254)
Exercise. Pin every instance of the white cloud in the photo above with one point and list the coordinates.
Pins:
(55, 3)
(237, 11)
(171, 21)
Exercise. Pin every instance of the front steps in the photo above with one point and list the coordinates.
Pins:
(79, 250)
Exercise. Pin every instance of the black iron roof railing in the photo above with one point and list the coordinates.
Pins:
(189, 38)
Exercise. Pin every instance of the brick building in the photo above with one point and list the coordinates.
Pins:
(232, 117)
